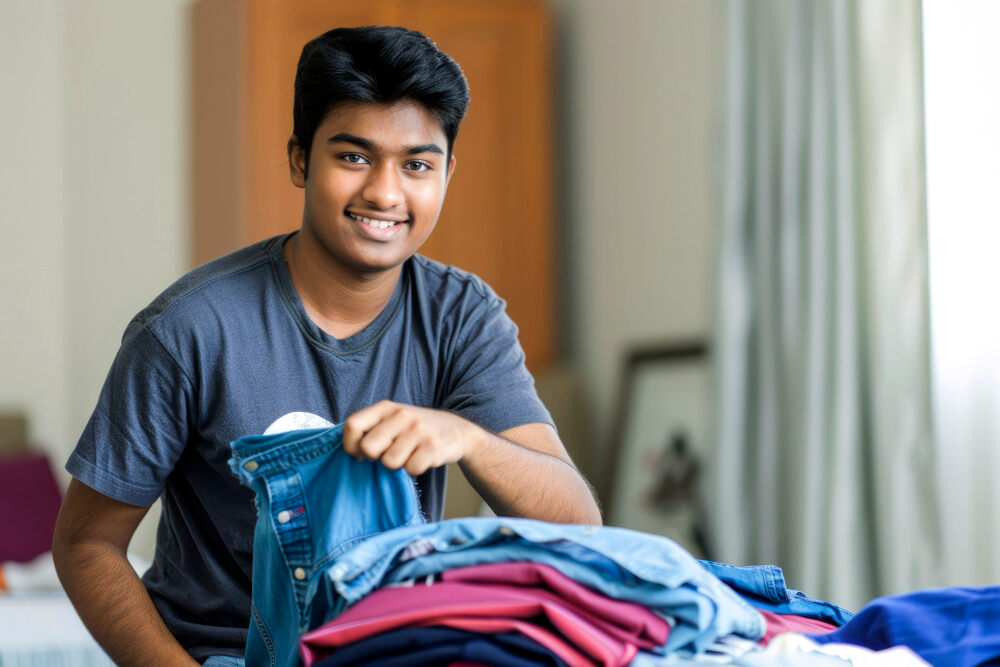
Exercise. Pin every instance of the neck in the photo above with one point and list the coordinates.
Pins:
(340, 301)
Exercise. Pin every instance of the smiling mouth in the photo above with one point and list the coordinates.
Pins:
(375, 222)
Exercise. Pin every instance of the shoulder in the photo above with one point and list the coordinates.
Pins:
(211, 294)
(455, 304)
(451, 284)
(223, 282)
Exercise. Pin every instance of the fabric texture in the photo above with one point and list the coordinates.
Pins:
(824, 459)
(763, 586)
(946, 626)
(224, 661)
(440, 603)
(626, 621)
(228, 351)
(779, 623)
(433, 645)
(314, 501)
(628, 565)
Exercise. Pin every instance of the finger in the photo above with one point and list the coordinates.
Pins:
(361, 422)
(420, 461)
(396, 456)
(381, 436)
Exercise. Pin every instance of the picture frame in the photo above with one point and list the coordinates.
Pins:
(659, 442)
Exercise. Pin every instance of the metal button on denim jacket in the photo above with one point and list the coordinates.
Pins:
(314, 502)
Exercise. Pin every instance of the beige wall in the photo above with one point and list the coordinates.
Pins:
(642, 104)
(33, 275)
(94, 199)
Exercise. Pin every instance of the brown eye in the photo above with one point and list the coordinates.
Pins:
(353, 158)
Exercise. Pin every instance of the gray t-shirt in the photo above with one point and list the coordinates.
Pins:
(229, 351)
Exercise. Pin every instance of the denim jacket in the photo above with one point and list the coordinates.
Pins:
(763, 586)
(314, 502)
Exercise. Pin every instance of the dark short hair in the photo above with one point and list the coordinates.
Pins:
(380, 64)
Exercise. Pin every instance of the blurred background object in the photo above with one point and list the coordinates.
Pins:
(748, 174)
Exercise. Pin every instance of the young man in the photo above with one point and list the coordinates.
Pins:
(340, 321)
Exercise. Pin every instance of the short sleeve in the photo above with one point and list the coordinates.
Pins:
(140, 425)
(488, 382)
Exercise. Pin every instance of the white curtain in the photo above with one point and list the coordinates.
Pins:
(963, 167)
(823, 461)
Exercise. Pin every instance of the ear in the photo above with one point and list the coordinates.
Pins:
(451, 170)
(296, 162)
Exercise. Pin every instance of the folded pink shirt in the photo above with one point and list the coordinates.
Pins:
(778, 623)
(628, 621)
(451, 603)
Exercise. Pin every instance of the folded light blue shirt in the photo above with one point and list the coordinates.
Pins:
(625, 564)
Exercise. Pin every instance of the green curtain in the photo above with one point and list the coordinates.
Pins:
(823, 460)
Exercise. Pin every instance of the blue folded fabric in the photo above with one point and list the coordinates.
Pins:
(438, 645)
(624, 564)
(763, 586)
(313, 502)
(945, 626)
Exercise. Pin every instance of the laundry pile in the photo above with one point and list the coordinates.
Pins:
(347, 572)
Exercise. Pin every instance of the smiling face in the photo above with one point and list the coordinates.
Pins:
(375, 185)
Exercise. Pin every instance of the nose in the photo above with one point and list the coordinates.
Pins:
(383, 190)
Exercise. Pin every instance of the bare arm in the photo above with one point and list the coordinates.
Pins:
(89, 549)
(524, 471)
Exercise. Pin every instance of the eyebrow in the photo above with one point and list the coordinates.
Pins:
(369, 145)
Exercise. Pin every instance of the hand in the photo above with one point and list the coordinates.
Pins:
(406, 436)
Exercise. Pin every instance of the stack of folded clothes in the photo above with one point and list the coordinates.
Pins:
(512, 613)
(346, 571)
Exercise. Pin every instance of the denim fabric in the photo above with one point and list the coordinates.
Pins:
(945, 626)
(314, 501)
(763, 586)
(433, 645)
(224, 661)
(623, 564)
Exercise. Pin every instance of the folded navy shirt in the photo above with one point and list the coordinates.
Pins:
(434, 645)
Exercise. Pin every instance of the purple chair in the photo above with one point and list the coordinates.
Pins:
(29, 503)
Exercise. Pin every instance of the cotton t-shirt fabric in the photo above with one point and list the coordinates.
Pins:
(228, 351)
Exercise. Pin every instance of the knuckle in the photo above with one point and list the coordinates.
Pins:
(369, 447)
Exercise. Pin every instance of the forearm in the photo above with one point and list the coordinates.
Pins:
(114, 605)
(518, 481)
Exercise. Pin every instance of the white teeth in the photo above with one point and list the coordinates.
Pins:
(380, 224)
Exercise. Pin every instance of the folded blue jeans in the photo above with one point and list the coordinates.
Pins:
(314, 501)
(621, 563)
(763, 586)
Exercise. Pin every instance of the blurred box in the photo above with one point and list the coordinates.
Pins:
(13, 432)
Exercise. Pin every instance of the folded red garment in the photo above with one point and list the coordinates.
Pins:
(628, 621)
(472, 604)
(778, 623)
